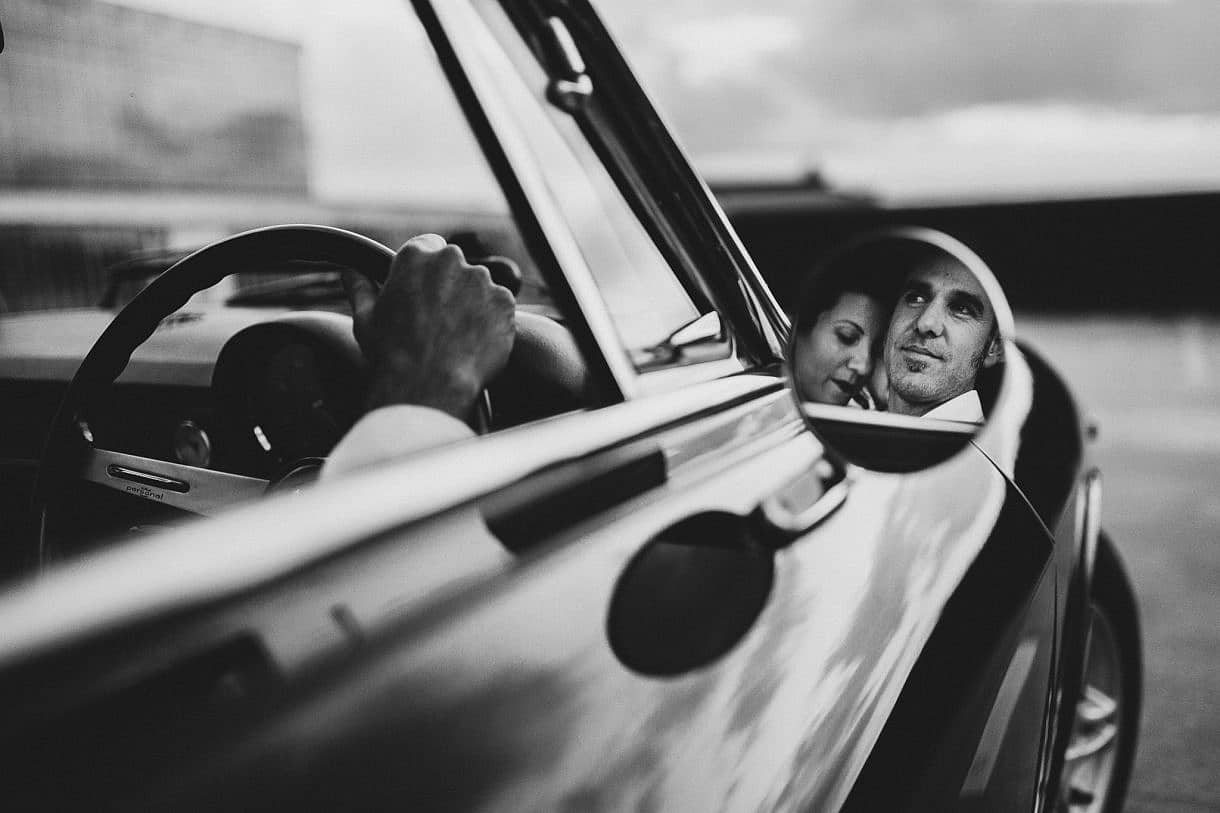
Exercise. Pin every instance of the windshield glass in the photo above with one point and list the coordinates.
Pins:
(910, 100)
(641, 292)
(136, 130)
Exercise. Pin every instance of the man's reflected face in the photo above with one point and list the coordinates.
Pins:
(942, 333)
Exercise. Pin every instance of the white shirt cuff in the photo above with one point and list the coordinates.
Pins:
(390, 433)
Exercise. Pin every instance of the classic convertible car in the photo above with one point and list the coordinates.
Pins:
(652, 578)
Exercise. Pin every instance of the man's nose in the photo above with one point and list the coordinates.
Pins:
(931, 321)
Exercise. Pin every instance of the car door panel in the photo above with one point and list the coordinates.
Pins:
(510, 694)
(968, 730)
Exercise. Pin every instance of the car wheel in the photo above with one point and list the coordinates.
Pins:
(1101, 750)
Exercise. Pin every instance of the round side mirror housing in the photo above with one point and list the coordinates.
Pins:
(897, 350)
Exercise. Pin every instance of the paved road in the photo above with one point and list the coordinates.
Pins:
(1155, 386)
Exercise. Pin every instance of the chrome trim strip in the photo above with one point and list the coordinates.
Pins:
(1091, 526)
(988, 751)
(864, 417)
(200, 491)
(476, 47)
(251, 545)
(574, 62)
(148, 479)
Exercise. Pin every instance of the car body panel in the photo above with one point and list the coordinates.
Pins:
(853, 604)
(522, 667)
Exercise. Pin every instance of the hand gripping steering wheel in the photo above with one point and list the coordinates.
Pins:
(69, 454)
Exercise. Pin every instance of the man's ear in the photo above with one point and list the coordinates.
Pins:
(995, 351)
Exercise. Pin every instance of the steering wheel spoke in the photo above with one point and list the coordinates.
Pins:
(200, 491)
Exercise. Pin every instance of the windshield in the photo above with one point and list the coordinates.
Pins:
(909, 100)
(137, 130)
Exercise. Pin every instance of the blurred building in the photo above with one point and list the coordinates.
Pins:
(124, 131)
(100, 96)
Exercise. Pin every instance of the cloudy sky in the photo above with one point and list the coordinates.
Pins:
(941, 98)
(908, 99)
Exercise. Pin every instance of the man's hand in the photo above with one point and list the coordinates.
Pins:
(436, 332)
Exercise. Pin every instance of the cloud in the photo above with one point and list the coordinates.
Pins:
(712, 50)
(935, 55)
(1011, 151)
(909, 96)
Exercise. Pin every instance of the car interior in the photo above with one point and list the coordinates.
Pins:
(245, 365)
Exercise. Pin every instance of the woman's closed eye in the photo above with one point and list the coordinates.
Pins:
(848, 334)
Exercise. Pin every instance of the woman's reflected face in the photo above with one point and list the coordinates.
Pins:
(835, 357)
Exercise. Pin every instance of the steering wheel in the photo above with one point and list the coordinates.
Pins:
(70, 455)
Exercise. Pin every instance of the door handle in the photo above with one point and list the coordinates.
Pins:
(801, 505)
(697, 587)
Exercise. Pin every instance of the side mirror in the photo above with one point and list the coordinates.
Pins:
(897, 350)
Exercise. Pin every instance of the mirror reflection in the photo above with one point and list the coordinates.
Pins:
(899, 322)
(837, 339)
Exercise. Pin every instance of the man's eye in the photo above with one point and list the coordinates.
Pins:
(913, 298)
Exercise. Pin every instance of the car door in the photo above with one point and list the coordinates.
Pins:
(675, 602)
(657, 652)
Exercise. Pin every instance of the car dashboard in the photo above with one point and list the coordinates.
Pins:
(250, 392)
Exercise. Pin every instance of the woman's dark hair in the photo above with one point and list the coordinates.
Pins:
(874, 266)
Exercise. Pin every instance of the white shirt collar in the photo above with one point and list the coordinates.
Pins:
(965, 407)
